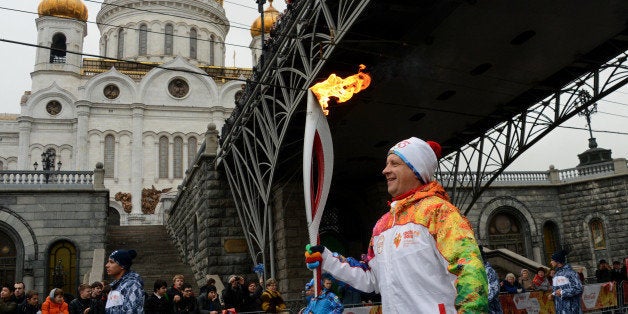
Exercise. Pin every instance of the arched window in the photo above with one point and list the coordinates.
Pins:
(58, 49)
(8, 258)
(143, 40)
(550, 240)
(193, 40)
(163, 157)
(1, 165)
(168, 39)
(191, 150)
(212, 45)
(597, 234)
(109, 158)
(120, 54)
(177, 156)
(505, 231)
(62, 267)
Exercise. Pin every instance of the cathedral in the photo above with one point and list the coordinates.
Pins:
(141, 109)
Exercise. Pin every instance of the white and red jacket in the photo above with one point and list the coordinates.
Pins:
(423, 258)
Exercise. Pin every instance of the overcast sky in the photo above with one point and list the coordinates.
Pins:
(559, 148)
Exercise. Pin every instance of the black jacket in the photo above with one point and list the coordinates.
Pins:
(252, 301)
(156, 305)
(25, 308)
(205, 305)
(186, 305)
(78, 305)
(233, 297)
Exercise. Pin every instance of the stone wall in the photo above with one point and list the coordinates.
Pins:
(36, 218)
(534, 206)
(605, 199)
(204, 223)
(291, 236)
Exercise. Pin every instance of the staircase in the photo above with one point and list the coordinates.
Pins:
(157, 257)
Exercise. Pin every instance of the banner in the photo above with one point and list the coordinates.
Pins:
(599, 296)
(527, 302)
(594, 297)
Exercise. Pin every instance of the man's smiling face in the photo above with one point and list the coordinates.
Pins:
(399, 177)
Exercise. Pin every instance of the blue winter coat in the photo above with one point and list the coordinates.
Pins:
(326, 302)
(494, 307)
(127, 295)
(567, 280)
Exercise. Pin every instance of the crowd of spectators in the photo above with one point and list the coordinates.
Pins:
(542, 281)
(242, 296)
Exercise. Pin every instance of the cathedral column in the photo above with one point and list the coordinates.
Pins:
(184, 157)
(81, 150)
(116, 158)
(170, 159)
(23, 158)
(137, 155)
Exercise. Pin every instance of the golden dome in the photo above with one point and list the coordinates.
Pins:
(74, 9)
(270, 17)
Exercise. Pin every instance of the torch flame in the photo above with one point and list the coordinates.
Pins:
(340, 88)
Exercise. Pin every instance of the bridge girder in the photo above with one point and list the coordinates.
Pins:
(253, 139)
(254, 135)
(469, 171)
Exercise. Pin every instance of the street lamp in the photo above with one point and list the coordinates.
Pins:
(48, 162)
(48, 159)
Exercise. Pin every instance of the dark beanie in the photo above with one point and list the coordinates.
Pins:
(211, 288)
(559, 256)
(123, 257)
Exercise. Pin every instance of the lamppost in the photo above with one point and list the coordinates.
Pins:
(48, 162)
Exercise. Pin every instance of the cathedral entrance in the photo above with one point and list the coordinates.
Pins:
(8, 258)
(62, 267)
(505, 231)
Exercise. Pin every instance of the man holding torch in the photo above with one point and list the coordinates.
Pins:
(422, 256)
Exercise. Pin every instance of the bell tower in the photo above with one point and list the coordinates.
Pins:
(61, 28)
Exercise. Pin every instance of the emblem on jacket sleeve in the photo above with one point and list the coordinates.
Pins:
(379, 248)
(397, 239)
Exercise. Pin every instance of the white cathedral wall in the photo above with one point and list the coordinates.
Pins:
(66, 80)
(156, 39)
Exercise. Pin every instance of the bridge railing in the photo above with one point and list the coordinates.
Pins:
(572, 173)
(618, 166)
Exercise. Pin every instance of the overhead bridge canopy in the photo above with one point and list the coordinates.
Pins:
(451, 70)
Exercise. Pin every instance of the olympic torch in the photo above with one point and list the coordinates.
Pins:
(318, 149)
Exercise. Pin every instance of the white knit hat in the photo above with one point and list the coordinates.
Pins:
(420, 156)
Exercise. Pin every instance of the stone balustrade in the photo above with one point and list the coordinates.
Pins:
(552, 176)
(32, 177)
(52, 178)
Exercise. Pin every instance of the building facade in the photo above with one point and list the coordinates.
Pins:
(141, 109)
(53, 228)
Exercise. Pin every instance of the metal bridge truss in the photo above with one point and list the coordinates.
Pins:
(467, 172)
(296, 51)
(304, 38)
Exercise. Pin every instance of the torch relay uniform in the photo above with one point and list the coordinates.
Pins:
(566, 279)
(422, 256)
(127, 295)
(326, 303)
(127, 292)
